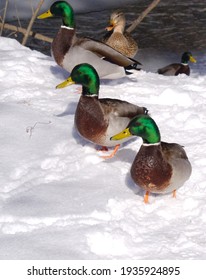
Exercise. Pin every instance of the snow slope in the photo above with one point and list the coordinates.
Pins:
(60, 200)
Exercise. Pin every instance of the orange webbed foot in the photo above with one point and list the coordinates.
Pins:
(174, 194)
(113, 152)
(146, 197)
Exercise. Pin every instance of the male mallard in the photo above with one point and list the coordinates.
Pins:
(158, 167)
(98, 119)
(118, 38)
(178, 68)
(68, 50)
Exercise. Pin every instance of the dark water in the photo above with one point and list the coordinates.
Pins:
(173, 26)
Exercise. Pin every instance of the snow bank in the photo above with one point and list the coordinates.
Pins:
(60, 200)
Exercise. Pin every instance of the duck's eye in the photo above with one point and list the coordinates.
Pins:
(137, 123)
(120, 14)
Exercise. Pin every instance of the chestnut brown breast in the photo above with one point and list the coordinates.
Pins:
(183, 69)
(149, 169)
(62, 43)
(89, 119)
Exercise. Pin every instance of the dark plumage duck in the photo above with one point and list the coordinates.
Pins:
(98, 119)
(68, 50)
(118, 38)
(158, 167)
(178, 68)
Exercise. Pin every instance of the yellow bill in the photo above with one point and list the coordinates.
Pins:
(124, 134)
(192, 59)
(67, 82)
(45, 15)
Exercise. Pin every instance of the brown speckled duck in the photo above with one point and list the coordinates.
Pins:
(175, 69)
(98, 119)
(158, 167)
(68, 50)
(118, 38)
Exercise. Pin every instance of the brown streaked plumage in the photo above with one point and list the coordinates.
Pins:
(152, 168)
(61, 44)
(118, 38)
(158, 167)
(97, 119)
(175, 69)
(68, 50)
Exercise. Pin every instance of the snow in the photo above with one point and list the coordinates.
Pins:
(60, 200)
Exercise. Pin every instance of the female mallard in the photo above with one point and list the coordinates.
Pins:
(178, 68)
(158, 167)
(68, 50)
(118, 38)
(98, 119)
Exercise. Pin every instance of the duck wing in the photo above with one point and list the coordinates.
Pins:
(170, 70)
(176, 156)
(108, 53)
(173, 150)
(121, 108)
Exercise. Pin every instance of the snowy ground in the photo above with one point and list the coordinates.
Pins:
(60, 200)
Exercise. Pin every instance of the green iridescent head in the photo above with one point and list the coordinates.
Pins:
(186, 57)
(61, 9)
(143, 126)
(85, 75)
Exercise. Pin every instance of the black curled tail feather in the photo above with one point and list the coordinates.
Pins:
(133, 66)
(146, 111)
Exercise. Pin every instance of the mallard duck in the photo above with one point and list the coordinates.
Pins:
(158, 167)
(178, 68)
(68, 50)
(117, 37)
(98, 119)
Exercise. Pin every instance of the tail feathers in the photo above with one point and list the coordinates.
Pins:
(146, 111)
(133, 66)
(160, 71)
